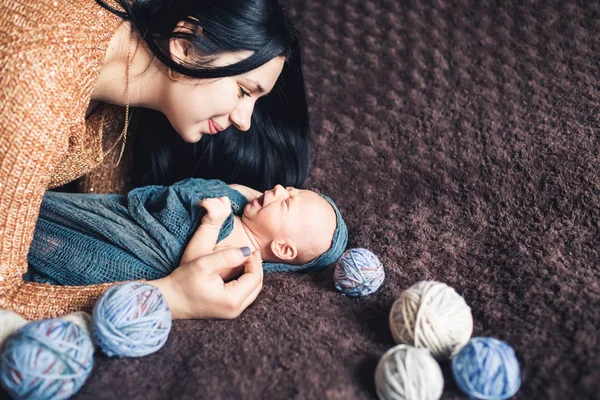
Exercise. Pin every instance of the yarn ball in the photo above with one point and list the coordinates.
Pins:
(83, 320)
(487, 368)
(408, 373)
(46, 359)
(11, 322)
(131, 319)
(432, 315)
(358, 272)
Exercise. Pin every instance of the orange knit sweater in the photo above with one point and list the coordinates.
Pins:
(51, 53)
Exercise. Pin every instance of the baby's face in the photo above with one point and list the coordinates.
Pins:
(302, 216)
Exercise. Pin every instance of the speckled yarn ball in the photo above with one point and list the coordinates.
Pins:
(432, 315)
(487, 369)
(47, 359)
(83, 320)
(80, 318)
(408, 373)
(10, 322)
(131, 320)
(358, 272)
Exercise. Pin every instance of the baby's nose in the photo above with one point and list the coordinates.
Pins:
(277, 189)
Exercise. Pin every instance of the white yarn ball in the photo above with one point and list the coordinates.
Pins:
(10, 322)
(408, 373)
(432, 315)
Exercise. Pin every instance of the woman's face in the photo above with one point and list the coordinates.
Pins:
(197, 107)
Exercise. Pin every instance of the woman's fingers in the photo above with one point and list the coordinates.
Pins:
(230, 274)
(240, 293)
(203, 292)
(250, 299)
(250, 279)
(221, 261)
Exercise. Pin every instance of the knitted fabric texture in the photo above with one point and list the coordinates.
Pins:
(83, 239)
(51, 53)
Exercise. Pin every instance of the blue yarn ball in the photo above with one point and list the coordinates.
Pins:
(46, 359)
(358, 272)
(487, 369)
(131, 320)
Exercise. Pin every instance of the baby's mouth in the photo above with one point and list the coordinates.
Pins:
(258, 202)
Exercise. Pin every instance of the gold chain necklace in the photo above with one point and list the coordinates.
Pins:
(123, 134)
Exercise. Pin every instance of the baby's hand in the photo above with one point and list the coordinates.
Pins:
(217, 211)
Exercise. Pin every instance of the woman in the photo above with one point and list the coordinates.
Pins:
(71, 69)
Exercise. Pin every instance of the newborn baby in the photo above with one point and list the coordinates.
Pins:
(287, 225)
(93, 238)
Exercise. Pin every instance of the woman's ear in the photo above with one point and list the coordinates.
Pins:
(285, 250)
(180, 46)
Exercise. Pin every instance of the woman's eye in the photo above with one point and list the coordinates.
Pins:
(243, 93)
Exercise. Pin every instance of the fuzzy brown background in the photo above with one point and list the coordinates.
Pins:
(461, 141)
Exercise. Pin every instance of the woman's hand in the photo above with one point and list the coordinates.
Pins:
(196, 290)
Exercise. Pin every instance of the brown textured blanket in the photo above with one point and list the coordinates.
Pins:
(461, 141)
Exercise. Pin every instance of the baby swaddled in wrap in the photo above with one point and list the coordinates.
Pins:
(83, 239)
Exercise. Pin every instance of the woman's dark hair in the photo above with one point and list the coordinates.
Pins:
(276, 148)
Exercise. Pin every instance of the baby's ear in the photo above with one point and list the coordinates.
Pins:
(285, 250)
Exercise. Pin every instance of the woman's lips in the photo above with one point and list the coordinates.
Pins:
(213, 127)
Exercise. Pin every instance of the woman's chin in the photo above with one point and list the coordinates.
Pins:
(191, 138)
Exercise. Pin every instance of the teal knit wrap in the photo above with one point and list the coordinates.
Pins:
(83, 239)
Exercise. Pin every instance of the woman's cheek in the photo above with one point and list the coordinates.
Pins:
(225, 97)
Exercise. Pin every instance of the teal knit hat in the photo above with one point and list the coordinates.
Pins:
(338, 245)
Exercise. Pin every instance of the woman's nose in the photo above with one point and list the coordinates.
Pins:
(242, 116)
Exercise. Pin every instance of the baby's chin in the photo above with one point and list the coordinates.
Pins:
(246, 214)
(253, 207)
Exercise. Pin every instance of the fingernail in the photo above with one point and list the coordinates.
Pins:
(245, 251)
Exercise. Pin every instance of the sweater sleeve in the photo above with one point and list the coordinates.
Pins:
(34, 136)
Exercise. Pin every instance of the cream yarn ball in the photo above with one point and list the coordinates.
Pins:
(10, 322)
(408, 373)
(432, 315)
